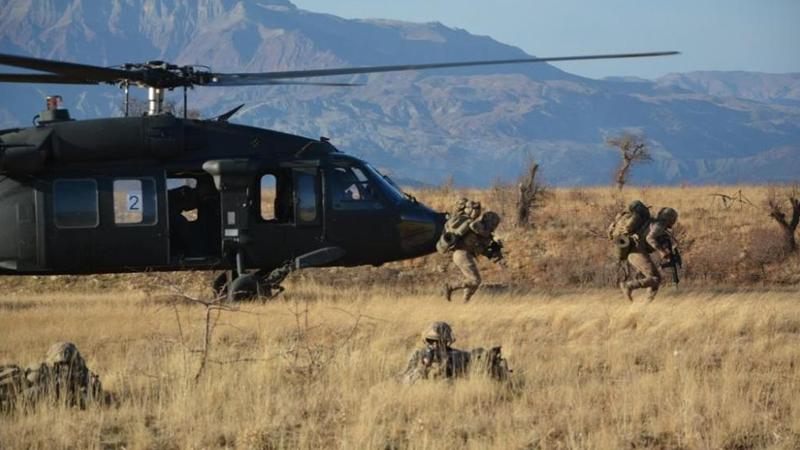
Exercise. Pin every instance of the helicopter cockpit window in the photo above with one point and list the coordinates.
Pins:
(350, 188)
(75, 204)
(277, 197)
(135, 201)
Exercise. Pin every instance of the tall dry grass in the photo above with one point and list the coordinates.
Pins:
(692, 370)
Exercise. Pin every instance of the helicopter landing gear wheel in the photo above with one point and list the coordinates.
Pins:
(243, 287)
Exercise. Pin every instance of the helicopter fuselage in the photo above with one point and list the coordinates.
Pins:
(160, 193)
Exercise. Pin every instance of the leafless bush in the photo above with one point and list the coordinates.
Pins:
(728, 201)
(762, 248)
(784, 208)
(633, 150)
(312, 347)
(214, 307)
(530, 195)
(715, 263)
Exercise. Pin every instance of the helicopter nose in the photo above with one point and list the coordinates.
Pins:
(419, 229)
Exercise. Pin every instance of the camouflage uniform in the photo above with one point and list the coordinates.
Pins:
(439, 361)
(474, 242)
(655, 237)
(62, 377)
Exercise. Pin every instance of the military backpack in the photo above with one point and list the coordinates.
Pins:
(627, 226)
(457, 225)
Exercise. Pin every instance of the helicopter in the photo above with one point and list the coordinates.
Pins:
(160, 192)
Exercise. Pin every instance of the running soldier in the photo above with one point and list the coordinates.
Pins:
(469, 233)
(637, 236)
(438, 360)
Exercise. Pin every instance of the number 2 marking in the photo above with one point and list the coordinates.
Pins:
(133, 202)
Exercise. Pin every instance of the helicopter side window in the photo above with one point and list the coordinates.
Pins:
(75, 204)
(135, 201)
(277, 197)
(350, 188)
(306, 199)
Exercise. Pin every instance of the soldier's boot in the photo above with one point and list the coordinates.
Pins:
(627, 290)
(651, 294)
(469, 291)
(447, 290)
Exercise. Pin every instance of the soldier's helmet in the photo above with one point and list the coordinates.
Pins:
(668, 216)
(439, 332)
(491, 220)
(64, 353)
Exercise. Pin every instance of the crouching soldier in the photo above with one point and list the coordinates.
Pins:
(469, 233)
(63, 377)
(438, 360)
(637, 236)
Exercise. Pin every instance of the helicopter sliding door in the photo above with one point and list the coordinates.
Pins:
(104, 223)
(18, 221)
(288, 220)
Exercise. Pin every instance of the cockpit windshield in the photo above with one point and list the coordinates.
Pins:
(388, 186)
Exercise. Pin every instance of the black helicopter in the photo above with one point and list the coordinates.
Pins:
(165, 193)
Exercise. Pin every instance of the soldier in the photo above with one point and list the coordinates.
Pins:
(439, 360)
(467, 236)
(653, 237)
(63, 377)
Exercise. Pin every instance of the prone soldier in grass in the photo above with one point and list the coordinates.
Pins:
(438, 360)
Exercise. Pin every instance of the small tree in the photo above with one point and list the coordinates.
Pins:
(529, 196)
(633, 150)
(775, 205)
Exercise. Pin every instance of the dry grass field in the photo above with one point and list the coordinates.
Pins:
(712, 365)
(317, 369)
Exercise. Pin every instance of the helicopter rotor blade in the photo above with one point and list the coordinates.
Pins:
(44, 78)
(93, 74)
(245, 79)
(247, 82)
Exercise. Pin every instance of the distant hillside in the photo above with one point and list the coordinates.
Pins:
(476, 124)
(761, 87)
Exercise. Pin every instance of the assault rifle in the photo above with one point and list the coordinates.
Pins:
(494, 251)
(674, 262)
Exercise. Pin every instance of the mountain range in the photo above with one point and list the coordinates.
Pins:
(476, 124)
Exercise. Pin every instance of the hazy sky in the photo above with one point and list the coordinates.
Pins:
(754, 35)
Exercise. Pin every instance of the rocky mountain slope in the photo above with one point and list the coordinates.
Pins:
(476, 124)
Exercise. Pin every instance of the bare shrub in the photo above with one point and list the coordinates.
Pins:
(530, 195)
(784, 208)
(312, 347)
(762, 248)
(727, 201)
(633, 150)
(714, 263)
